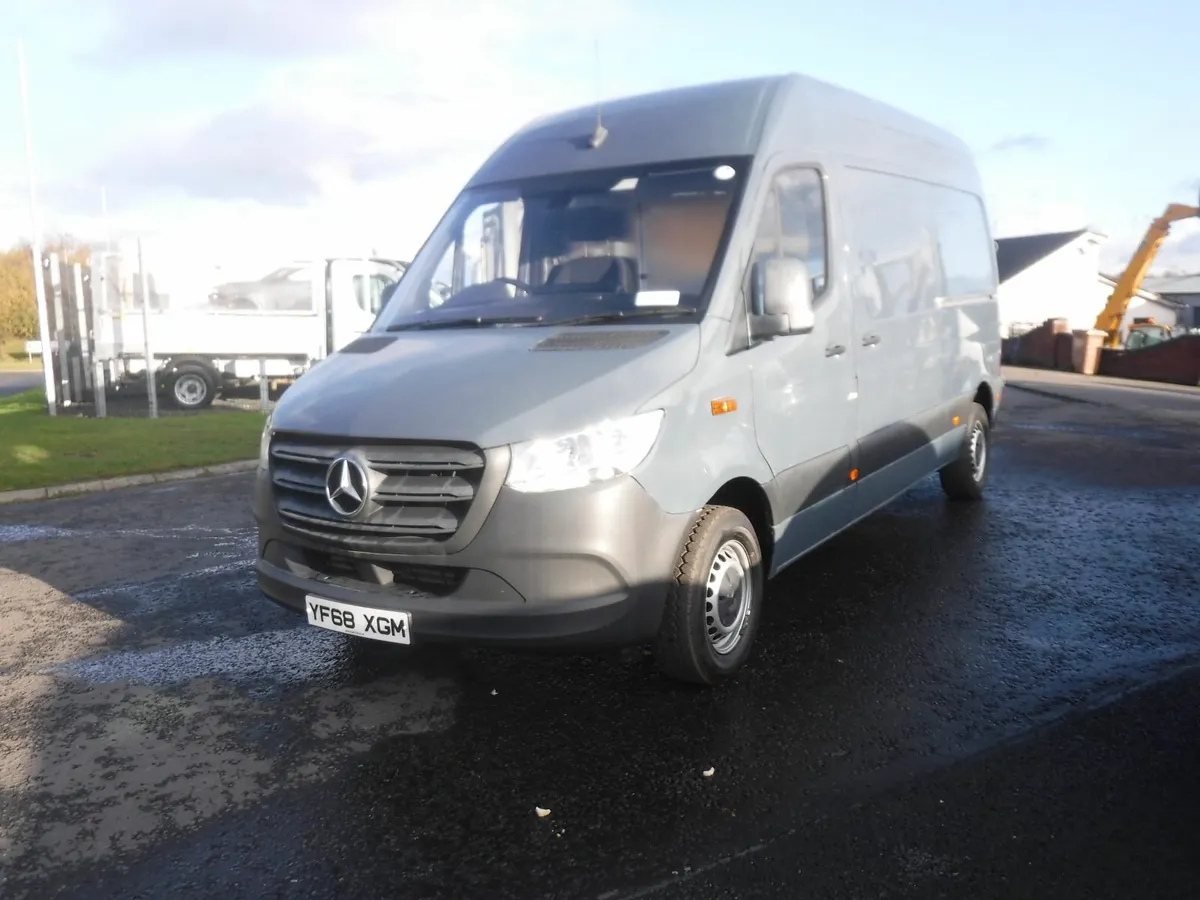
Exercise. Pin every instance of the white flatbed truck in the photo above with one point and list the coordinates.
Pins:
(199, 353)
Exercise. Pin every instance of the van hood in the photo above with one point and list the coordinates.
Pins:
(487, 386)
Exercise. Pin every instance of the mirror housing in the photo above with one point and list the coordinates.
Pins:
(786, 298)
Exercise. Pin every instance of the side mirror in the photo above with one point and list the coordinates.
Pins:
(786, 298)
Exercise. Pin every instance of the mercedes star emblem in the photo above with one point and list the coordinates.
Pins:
(346, 486)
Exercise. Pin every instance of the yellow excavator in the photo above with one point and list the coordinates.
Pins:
(1110, 319)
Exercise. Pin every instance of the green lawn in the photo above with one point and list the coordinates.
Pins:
(12, 357)
(39, 451)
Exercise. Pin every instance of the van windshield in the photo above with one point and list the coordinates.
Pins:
(578, 248)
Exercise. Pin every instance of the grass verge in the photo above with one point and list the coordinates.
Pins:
(13, 359)
(39, 451)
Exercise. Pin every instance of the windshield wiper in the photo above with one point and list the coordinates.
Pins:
(618, 315)
(467, 322)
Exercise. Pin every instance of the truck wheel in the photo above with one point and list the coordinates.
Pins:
(963, 479)
(714, 600)
(191, 386)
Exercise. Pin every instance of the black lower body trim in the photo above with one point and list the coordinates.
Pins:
(893, 442)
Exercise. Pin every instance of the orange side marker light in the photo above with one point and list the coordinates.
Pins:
(722, 406)
(854, 474)
(954, 421)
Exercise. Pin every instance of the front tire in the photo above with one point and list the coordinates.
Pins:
(963, 480)
(715, 599)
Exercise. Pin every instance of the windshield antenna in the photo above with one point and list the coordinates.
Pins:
(600, 134)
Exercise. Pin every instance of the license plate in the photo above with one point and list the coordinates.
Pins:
(361, 621)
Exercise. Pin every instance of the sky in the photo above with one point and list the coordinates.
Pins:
(251, 131)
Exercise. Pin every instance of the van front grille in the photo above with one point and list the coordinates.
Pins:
(416, 493)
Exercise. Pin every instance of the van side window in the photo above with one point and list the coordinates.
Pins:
(793, 224)
(964, 244)
(891, 229)
(766, 245)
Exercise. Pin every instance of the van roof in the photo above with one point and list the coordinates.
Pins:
(742, 117)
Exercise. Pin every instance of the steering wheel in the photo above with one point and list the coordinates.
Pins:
(518, 284)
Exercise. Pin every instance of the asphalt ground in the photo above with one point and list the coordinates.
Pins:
(17, 381)
(985, 701)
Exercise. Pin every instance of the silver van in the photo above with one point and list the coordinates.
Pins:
(651, 355)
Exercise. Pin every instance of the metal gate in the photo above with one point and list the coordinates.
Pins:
(73, 291)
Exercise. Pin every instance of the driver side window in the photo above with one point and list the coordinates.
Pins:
(480, 255)
(792, 224)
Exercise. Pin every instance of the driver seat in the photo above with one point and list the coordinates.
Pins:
(608, 274)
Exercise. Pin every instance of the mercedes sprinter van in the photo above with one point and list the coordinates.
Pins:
(651, 355)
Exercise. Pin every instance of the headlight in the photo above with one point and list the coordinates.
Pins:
(264, 442)
(597, 453)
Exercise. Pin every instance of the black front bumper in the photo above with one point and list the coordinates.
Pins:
(581, 568)
(610, 620)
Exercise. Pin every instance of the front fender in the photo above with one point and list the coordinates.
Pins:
(698, 451)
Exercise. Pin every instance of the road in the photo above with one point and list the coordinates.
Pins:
(15, 382)
(1127, 394)
(989, 701)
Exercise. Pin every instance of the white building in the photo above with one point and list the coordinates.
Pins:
(1057, 276)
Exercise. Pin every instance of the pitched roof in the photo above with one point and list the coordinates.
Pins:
(1016, 254)
(1163, 301)
(1143, 293)
(1174, 284)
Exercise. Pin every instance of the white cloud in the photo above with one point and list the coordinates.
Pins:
(1018, 212)
(1180, 252)
(448, 43)
(1023, 143)
(135, 31)
(363, 126)
(1038, 218)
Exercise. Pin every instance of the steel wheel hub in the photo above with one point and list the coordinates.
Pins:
(190, 390)
(729, 597)
(979, 450)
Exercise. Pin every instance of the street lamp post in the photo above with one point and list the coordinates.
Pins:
(39, 285)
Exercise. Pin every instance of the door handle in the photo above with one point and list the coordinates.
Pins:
(870, 340)
(835, 350)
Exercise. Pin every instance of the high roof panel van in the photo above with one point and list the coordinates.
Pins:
(648, 359)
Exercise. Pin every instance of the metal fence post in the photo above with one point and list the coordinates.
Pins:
(151, 381)
(99, 388)
(264, 387)
(76, 331)
(82, 284)
(61, 350)
(35, 249)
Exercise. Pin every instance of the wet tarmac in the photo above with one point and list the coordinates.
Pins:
(946, 701)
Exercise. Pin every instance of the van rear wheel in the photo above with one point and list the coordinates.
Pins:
(714, 601)
(964, 479)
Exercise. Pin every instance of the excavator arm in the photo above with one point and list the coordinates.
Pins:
(1130, 282)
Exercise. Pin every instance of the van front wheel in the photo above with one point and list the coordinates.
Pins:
(964, 478)
(714, 600)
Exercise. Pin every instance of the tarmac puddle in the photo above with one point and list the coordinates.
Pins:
(20, 533)
(1140, 434)
(290, 656)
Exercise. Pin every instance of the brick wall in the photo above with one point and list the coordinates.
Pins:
(1176, 362)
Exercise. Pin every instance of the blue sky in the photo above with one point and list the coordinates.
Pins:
(209, 123)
